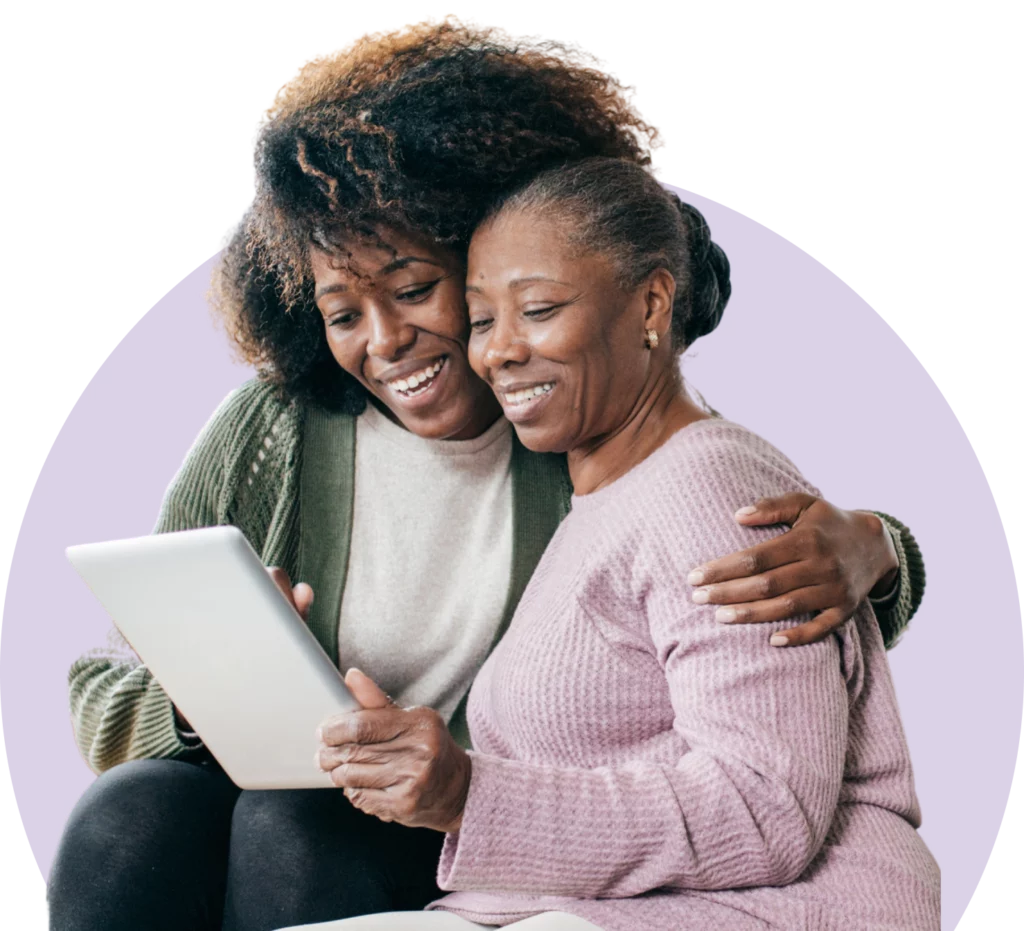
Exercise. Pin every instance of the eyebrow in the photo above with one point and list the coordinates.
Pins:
(516, 283)
(392, 267)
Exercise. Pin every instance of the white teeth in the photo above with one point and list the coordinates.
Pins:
(418, 378)
(528, 394)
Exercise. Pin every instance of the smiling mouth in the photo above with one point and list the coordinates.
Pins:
(515, 398)
(418, 382)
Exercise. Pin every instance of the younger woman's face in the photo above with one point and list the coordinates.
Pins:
(395, 320)
(555, 336)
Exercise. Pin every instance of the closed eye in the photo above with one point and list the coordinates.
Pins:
(538, 313)
(419, 292)
(343, 319)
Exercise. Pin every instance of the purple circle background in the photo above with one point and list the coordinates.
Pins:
(799, 358)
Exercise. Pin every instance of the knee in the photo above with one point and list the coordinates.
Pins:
(271, 820)
(152, 777)
(146, 791)
(144, 832)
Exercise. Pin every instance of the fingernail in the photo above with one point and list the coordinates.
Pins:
(779, 640)
(700, 596)
(320, 735)
(747, 511)
(725, 615)
(696, 577)
(316, 761)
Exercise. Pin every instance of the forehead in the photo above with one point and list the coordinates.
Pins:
(523, 229)
(378, 254)
(528, 242)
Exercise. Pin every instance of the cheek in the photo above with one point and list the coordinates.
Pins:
(475, 353)
(346, 348)
(449, 316)
(603, 382)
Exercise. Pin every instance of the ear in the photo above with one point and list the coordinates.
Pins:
(659, 292)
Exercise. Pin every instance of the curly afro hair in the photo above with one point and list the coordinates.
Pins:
(418, 130)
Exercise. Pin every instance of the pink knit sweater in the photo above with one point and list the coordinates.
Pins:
(643, 766)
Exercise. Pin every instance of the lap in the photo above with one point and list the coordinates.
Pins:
(329, 861)
(182, 841)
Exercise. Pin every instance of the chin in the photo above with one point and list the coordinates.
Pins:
(538, 440)
(444, 423)
(435, 428)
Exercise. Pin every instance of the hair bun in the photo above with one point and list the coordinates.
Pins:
(709, 275)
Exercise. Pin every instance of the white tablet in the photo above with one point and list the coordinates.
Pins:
(224, 642)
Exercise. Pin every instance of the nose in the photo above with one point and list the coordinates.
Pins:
(390, 334)
(505, 346)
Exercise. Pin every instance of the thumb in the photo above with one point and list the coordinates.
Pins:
(302, 597)
(365, 691)
(782, 510)
(282, 581)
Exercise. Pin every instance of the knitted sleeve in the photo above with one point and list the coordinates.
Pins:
(751, 798)
(119, 712)
(895, 609)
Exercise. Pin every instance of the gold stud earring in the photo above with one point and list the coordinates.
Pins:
(650, 339)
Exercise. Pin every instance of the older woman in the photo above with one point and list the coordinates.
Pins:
(638, 764)
(371, 464)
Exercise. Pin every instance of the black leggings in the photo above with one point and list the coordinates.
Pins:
(171, 846)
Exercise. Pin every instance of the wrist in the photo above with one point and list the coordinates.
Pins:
(463, 775)
(888, 559)
(186, 733)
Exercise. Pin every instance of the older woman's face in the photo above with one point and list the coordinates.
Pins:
(553, 334)
(395, 320)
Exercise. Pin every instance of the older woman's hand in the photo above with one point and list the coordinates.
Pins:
(400, 764)
(827, 564)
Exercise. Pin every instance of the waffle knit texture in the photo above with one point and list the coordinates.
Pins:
(643, 766)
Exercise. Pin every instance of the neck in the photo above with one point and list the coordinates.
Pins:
(661, 410)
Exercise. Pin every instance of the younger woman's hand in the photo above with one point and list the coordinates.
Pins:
(399, 764)
(300, 596)
(827, 564)
(185, 730)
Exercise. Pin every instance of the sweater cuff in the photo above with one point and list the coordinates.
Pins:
(895, 610)
(507, 817)
(542, 830)
(466, 853)
(156, 734)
